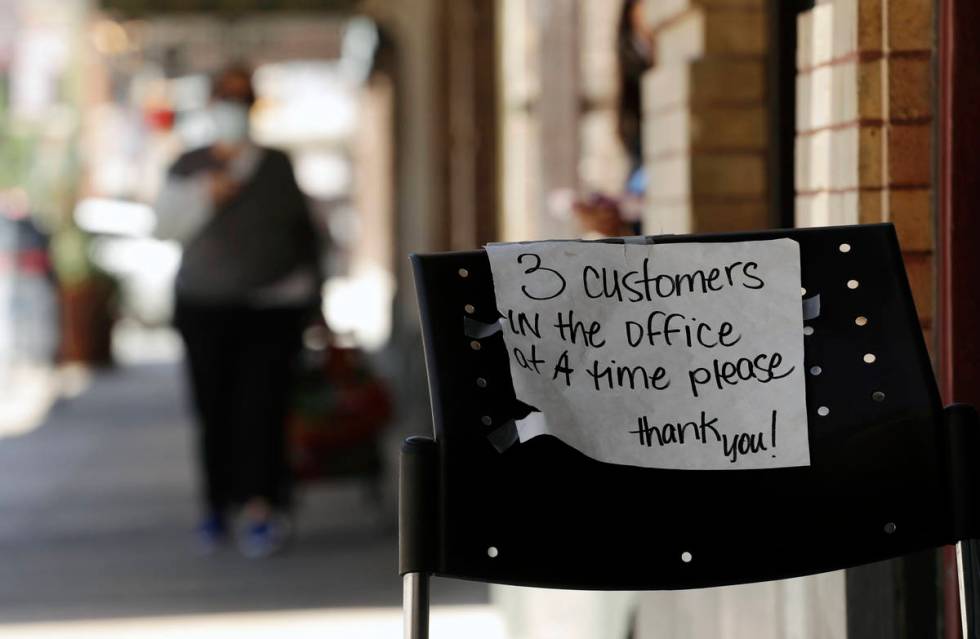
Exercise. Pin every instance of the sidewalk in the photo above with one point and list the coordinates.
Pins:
(98, 504)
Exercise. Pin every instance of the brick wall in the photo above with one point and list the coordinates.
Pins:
(864, 125)
(705, 117)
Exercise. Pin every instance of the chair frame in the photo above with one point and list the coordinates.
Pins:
(906, 459)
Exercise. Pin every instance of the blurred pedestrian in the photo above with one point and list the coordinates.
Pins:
(603, 215)
(248, 281)
(634, 56)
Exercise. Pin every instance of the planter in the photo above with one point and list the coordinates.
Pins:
(87, 314)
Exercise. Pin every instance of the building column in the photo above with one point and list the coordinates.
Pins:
(705, 121)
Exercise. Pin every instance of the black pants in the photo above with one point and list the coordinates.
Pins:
(240, 361)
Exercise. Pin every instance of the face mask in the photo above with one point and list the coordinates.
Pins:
(230, 121)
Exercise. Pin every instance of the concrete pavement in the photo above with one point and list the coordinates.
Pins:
(97, 504)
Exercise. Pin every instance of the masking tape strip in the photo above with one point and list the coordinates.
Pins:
(532, 426)
(811, 308)
(504, 436)
(637, 239)
(478, 330)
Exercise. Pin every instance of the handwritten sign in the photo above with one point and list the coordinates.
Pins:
(686, 355)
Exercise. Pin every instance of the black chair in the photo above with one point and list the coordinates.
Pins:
(890, 473)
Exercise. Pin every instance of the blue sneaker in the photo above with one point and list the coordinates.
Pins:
(211, 534)
(258, 539)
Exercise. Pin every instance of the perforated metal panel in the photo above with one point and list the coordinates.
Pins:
(880, 483)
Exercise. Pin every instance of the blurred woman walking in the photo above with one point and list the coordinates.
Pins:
(249, 280)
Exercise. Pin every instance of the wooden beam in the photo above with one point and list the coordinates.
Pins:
(959, 225)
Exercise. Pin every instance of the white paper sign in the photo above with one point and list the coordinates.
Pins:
(686, 356)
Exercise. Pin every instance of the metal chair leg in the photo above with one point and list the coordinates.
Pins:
(415, 592)
(968, 564)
